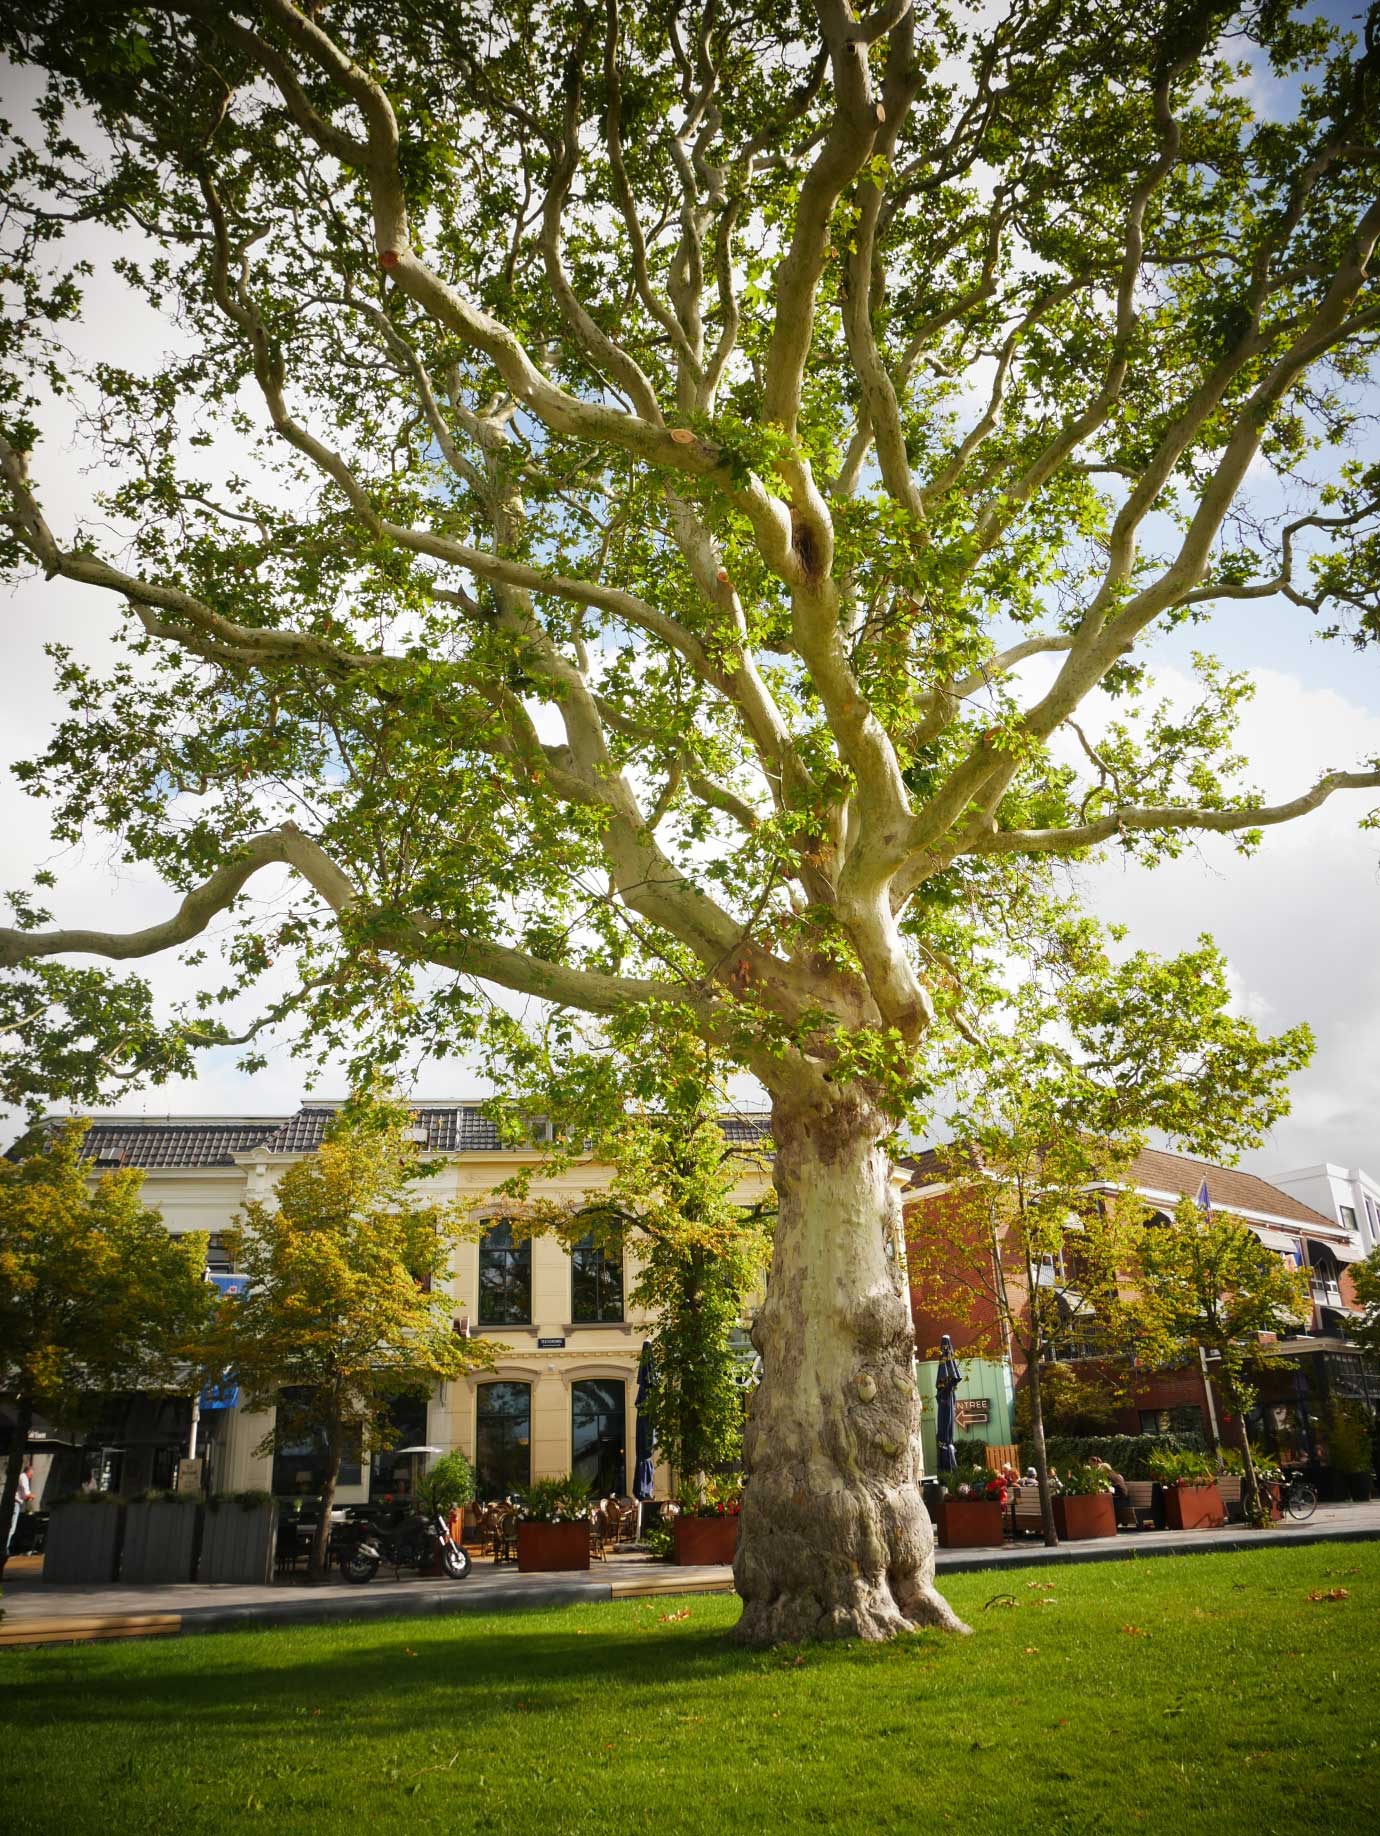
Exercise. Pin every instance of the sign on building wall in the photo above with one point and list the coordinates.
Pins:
(973, 1411)
(550, 1344)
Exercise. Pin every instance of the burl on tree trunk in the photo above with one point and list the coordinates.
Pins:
(836, 1541)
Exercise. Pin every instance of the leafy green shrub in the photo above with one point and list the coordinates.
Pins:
(247, 1501)
(1084, 1481)
(1348, 1438)
(659, 1541)
(714, 1495)
(554, 1501)
(1185, 1468)
(968, 1482)
(446, 1485)
(1127, 1454)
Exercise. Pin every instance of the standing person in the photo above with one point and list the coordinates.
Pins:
(23, 1493)
(947, 1379)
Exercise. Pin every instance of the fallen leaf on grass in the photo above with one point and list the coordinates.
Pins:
(1330, 1593)
(1135, 1632)
(669, 1619)
(1001, 1600)
(1043, 1584)
(1030, 1650)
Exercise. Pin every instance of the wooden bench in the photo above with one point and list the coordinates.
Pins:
(1148, 1510)
(1025, 1511)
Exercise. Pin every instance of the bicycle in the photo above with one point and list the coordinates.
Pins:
(1298, 1498)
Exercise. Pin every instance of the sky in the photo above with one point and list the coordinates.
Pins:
(1299, 923)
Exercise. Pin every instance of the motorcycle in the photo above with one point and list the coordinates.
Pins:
(413, 1543)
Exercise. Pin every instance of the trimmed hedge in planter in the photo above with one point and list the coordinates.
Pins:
(1079, 1519)
(160, 1540)
(84, 1536)
(705, 1540)
(1194, 1507)
(970, 1523)
(543, 1548)
(238, 1539)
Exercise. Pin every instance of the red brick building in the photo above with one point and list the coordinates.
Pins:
(1326, 1365)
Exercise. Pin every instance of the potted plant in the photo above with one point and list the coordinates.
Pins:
(239, 1538)
(706, 1527)
(971, 1511)
(160, 1538)
(553, 1525)
(1348, 1447)
(1086, 1507)
(444, 1490)
(1191, 1498)
(84, 1536)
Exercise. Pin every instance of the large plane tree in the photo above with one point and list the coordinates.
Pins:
(634, 508)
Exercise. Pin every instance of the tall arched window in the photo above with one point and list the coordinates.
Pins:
(599, 1434)
(503, 1439)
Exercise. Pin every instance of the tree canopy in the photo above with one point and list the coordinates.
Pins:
(614, 461)
(95, 1295)
(348, 1303)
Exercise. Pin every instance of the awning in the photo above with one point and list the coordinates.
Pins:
(1281, 1241)
(1344, 1252)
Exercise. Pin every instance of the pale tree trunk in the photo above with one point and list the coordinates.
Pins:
(334, 1450)
(835, 1539)
(1037, 1436)
(1253, 1506)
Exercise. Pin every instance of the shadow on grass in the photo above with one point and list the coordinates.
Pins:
(404, 1680)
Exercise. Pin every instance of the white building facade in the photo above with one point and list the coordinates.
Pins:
(561, 1396)
(1351, 1196)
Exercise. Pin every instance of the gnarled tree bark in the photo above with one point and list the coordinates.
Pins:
(836, 1541)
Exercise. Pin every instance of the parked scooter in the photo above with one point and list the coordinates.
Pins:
(412, 1543)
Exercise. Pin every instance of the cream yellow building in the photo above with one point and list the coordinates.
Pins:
(562, 1394)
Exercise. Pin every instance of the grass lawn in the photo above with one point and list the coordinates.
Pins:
(1204, 1693)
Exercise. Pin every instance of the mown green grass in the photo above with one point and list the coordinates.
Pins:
(1205, 1693)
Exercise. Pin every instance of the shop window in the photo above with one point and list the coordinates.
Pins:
(596, 1283)
(503, 1439)
(598, 1452)
(505, 1278)
(299, 1464)
(389, 1474)
(1185, 1421)
(219, 1261)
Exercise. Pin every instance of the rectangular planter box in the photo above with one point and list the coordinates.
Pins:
(160, 1542)
(970, 1523)
(544, 1547)
(1079, 1519)
(238, 1544)
(84, 1541)
(1193, 1507)
(705, 1539)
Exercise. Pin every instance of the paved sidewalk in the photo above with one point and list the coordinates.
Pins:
(35, 1614)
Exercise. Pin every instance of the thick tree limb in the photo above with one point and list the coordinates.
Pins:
(1132, 818)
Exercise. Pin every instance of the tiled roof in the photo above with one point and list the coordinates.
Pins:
(173, 1144)
(1155, 1170)
(452, 1128)
(1229, 1189)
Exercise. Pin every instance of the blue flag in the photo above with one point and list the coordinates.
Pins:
(1204, 1202)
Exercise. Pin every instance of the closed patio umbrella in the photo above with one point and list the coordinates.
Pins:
(643, 1483)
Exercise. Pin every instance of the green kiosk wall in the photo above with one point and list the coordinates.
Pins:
(986, 1391)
